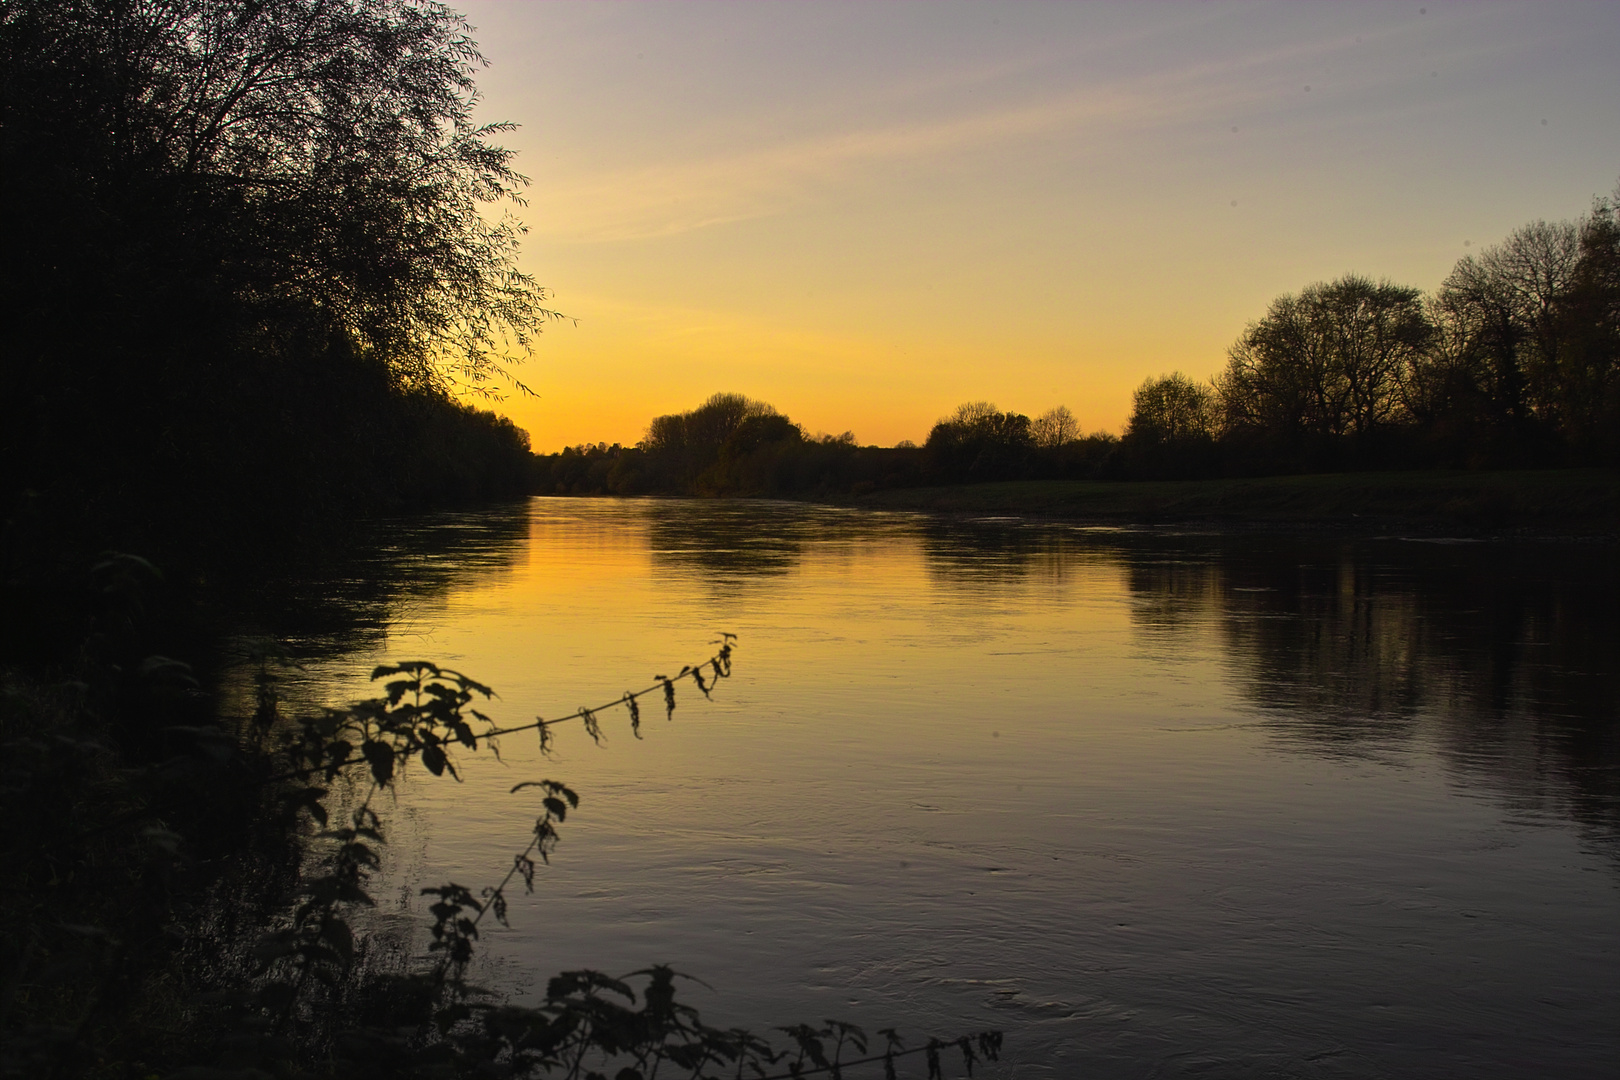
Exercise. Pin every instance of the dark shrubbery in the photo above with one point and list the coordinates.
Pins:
(182, 889)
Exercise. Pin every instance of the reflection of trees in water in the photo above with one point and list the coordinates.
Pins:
(1503, 656)
(1525, 685)
(1170, 590)
(733, 539)
(738, 539)
(344, 600)
(987, 554)
(1318, 637)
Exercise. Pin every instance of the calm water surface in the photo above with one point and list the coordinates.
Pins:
(1153, 804)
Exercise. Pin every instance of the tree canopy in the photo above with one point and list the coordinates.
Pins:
(1513, 361)
(1328, 362)
(1054, 428)
(219, 211)
(1171, 408)
(979, 442)
(309, 159)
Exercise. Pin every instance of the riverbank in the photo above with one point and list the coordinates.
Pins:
(1584, 502)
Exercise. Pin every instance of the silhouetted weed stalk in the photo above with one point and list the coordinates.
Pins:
(433, 1021)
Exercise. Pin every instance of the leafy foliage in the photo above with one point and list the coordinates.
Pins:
(979, 443)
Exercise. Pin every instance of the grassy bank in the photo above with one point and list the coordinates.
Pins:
(1581, 501)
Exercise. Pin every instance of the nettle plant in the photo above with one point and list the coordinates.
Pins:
(430, 1020)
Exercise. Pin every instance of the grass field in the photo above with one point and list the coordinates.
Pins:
(1578, 501)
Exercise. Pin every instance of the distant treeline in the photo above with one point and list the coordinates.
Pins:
(1514, 362)
(732, 445)
(245, 268)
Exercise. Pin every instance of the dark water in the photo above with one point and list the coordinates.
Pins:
(1154, 804)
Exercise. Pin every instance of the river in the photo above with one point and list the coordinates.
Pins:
(1153, 802)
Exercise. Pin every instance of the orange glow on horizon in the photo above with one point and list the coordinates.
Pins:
(867, 215)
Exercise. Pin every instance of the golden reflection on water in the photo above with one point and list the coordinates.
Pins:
(1199, 803)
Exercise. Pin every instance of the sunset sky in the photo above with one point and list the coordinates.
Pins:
(868, 213)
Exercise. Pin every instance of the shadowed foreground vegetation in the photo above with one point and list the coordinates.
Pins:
(185, 891)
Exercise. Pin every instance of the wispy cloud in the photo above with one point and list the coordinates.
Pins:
(668, 197)
(680, 194)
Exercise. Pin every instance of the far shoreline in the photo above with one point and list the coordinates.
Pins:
(1528, 504)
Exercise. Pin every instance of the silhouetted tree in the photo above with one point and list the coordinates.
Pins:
(1055, 428)
(1171, 429)
(1171, 408)
(681, 448)
(1589, 352)
(315, 157)
(979, 443)
(1522, 365)
(1324, 365)
(711, 425)
(1503, 313)
(762, 454)
(247, 249)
